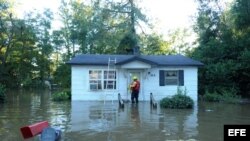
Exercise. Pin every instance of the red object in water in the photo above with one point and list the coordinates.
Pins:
(34, 129)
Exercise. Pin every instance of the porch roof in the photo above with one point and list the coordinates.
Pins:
(158, 60)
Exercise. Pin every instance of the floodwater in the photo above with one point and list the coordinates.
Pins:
(96, 121)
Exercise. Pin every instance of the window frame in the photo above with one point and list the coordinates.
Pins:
(113, 80)
(179, 76)
(171, 78)
(96, 82)
(101, 78)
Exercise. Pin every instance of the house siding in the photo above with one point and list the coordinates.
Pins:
(80, 84)
(149, 84)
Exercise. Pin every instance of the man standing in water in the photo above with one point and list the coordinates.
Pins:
(135, 87)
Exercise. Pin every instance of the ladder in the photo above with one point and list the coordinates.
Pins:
(111, 75)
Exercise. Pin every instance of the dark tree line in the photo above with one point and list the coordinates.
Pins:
(224, 47)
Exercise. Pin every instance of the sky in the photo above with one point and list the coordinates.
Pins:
(171, 14)
(165, 14)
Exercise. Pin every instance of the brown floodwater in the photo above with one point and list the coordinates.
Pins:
(96, 121)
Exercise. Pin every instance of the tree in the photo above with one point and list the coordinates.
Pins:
(100, 26)
(155, 45)
(6, 37)
(223, 47)
(44, 43)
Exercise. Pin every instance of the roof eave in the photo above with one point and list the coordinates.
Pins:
(136, 58)
(180, 65)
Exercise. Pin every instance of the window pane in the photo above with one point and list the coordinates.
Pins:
(99, 85)
(109, 74)
(171, 73)
(95, 84)
(110, 85)
(93, 87)
(95, 74)
(171, 77)
(171, 82)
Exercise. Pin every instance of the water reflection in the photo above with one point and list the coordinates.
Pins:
(213, 116)
(27, 107)
(135, 115)
(179, 124)
(135, 122)
(94, 121)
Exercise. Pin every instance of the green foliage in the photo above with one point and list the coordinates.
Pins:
(25, 47)
(224, 95)
(62, 95)
(2, 93)
(241, 15)
(31, 52)
(155, 45)
(178, 101)
(62, 76)
(126, 44)
(223, 38)
(212, 97)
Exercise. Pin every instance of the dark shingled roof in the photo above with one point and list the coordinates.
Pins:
(159, 60)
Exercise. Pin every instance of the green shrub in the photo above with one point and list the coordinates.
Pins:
(178, 101)
(212, 97)
(2, 93)
(230, 96)
(61, 96)
(225, 95)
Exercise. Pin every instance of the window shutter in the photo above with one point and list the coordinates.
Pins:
(181, 77)
(161, 78)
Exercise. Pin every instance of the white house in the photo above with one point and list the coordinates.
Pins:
(103, 77)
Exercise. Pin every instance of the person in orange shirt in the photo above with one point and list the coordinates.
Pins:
(135, 88)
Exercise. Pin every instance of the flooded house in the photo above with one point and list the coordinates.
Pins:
(97, 77)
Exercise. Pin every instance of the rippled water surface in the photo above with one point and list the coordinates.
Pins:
(96, 121)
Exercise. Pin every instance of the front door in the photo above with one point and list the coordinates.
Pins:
(137, 74)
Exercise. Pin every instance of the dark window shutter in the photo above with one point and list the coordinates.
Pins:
(161, 78)
(181, 77)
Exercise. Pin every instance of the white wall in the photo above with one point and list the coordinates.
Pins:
(80, 85)
(149, 83)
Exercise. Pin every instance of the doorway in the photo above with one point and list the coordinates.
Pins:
(138, 74)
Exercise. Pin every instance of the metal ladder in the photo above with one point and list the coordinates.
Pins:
(110, 87)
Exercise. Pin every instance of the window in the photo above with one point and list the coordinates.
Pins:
(171, 77)
(102, 79)
(95, 80)
(110, 79)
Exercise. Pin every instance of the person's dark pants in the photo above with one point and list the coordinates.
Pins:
(134, 96)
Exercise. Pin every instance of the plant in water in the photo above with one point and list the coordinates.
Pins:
(2, 93)
(178, 101)
(61, 96)
(224, 95)
(212, 97)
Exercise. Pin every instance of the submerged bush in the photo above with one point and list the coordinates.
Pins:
(178, 101)
(212, 97)
(61, 96)
(2, 93)
(227, 96)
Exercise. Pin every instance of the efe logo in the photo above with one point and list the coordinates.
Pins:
(236, 132)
